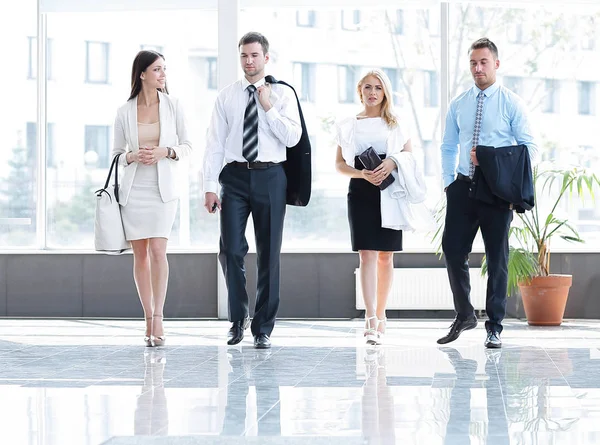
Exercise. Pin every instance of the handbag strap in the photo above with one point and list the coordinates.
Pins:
(117, 177)
(114, 165)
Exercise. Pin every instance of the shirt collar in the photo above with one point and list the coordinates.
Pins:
(245, 83)
(489, 91)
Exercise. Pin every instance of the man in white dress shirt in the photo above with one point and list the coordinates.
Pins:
(251, 126)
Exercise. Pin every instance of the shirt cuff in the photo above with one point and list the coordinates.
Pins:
(211, 187)
(449, 179)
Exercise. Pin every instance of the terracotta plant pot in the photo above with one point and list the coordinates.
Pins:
(545, 298)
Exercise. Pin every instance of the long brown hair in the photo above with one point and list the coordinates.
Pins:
(387, 108)
(142, 61)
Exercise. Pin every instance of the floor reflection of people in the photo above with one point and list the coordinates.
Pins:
(242, 375)
(377, 401)
(457, 430)
(151, 414)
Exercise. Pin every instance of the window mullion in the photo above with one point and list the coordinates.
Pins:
(41, 188)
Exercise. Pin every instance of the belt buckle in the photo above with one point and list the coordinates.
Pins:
(248, 165)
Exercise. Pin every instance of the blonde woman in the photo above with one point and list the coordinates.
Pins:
(150, 130)
(377, 126)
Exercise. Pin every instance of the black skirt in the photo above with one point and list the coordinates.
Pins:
(364, 215)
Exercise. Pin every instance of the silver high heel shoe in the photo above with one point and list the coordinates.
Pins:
(158, 340)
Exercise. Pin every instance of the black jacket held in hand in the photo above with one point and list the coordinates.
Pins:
(298, 164)
(504, 177)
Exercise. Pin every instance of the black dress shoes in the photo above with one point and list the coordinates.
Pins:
(456, 329)
(236, 333)
(262, 341)
(493, 340)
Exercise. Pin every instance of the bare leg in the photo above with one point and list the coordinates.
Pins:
(385, 276)
(143, 283)
(160, 277)
(368, 279)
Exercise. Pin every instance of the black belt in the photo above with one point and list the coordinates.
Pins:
(463, 178)
(256, 165)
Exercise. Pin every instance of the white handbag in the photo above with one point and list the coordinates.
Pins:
(109, 234)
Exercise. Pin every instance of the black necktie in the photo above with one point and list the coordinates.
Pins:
(250, 146)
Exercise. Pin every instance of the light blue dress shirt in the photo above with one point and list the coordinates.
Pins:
(504, 122)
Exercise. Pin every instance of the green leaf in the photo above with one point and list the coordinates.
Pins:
(572, 239)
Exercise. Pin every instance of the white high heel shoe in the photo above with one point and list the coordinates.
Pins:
(371, 330)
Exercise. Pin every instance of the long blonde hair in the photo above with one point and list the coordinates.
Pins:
(387, 107)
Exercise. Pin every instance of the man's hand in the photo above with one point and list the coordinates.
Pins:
(474, 156)
(264, 96)
(211, 202)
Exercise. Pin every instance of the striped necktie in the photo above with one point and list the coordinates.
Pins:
(478, 117)
(250, 145)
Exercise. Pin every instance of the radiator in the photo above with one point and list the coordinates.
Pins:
(426, 289)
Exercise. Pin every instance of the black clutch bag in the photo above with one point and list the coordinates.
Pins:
(371, 160)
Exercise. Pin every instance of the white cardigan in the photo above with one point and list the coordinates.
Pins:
(402, 206)
(173, 134)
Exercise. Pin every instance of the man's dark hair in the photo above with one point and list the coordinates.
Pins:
(484, 42)
(255, 37)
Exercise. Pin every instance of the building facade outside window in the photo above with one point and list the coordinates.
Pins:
(306, 18)
(96, 62)
(96, 141)
(586, 95)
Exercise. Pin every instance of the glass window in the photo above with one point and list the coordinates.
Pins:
(515, 84)
(431, 89)
(96, 149)
(96, 62)
(551, 98)
(84, 134)
(18, 168)
(515, 32)
(211, 73)
(585, 96)
(399, 24)
(31, 141)
(392, 73)
(157, 48)
(347, 81)
(305, 18)
(350, 19)
(304, 80)
(32, 66)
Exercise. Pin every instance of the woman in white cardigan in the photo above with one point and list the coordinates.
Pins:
(375, 126)
(150, 131)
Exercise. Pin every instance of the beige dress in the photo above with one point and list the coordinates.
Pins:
(146, 215)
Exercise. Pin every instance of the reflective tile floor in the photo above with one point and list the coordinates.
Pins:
(91, 382)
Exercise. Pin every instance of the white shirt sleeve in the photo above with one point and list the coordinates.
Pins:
(215, 146)
(284, 120)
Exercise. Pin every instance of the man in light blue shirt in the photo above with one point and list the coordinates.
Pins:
(486, 114)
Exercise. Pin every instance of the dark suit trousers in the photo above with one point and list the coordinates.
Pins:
(262, 194)
(464, 216)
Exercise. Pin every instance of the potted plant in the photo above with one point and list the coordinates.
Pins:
(544, 294)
